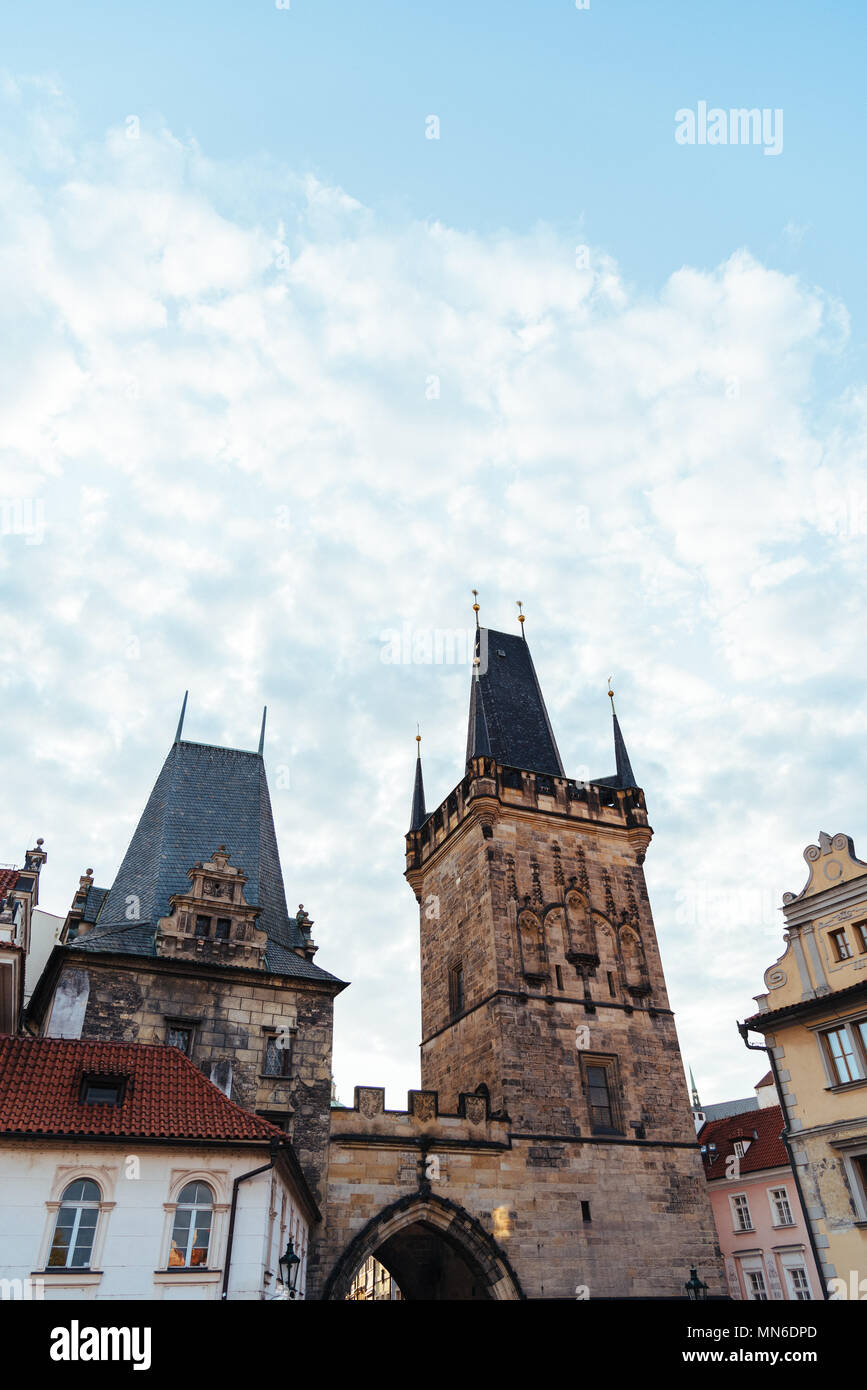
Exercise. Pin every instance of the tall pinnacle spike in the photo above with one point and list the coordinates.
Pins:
(419, 814)
(695, 1100)
(262, 733)
(625, 775)
(181, 720)
(480, 743)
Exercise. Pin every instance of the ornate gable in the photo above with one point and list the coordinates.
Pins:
(213, 921)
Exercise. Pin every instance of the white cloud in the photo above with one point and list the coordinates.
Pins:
(245, 483)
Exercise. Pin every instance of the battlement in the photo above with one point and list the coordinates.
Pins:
(422, 1123)
(490, 788)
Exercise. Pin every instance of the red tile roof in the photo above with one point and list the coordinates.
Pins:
(8, 880)
(166, 1097)
(767, 1151)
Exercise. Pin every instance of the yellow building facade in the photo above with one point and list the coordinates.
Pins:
(813, 1019)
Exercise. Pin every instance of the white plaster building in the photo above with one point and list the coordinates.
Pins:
(125, 1174)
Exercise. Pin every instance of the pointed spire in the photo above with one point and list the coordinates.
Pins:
(625, 775)
(695, 1100)
(479, 743)
(419, 814)
(262, 733)
(181, 720)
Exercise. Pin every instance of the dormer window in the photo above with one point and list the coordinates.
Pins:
(223, 928)
(203, 925)
(97, 1089)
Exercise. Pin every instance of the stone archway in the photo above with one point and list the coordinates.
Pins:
(433, 1249)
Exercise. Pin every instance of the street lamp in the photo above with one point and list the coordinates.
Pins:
(696, 1289)
(289, 1263)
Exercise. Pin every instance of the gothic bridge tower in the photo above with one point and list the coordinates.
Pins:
(543, 989)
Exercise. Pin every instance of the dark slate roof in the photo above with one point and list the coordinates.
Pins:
(93, 902)
(418, 815)
(723, 1109)
(512, 708)
(624, 776)
(203, 797)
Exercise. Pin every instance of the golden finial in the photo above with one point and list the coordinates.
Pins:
(610, 691)
(476, 605)
(418, 737)
(521, 618)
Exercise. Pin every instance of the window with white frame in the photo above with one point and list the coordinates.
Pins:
(75, 1226)
(756, 1288)
(781, 1210)
(191, 1230)
(743, 1221)
(842, 949)
(856, 1171)
(845, 1052)
(799, 1283)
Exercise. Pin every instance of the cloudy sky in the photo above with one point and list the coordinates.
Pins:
(281, 375)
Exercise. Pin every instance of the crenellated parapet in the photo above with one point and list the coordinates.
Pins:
(490, 788)
(421, 1125)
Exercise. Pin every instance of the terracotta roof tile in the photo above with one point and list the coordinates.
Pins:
(767, 1151)
(166, 1097)
(8, 880)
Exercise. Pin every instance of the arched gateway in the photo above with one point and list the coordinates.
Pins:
(433, 1249)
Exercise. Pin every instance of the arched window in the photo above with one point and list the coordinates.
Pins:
(75, 1226)
(191, 1232)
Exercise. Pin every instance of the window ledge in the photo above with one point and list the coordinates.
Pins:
(846, 1086)
(208, 1276)
(747, 1231)
(68, 1276)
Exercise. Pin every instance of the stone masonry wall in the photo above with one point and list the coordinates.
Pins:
(231, 1014)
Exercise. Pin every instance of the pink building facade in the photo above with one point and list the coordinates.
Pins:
(761, 1228)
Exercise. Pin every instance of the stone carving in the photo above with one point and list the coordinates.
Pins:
(475, 1109)
(423, 1105)
(371, 1100)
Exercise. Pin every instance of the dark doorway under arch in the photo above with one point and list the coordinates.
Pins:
(433, 1249)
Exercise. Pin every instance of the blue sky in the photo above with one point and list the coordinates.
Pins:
(217, 394)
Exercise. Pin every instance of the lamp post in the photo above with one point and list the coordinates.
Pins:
(289, 1263)
(696, 1289)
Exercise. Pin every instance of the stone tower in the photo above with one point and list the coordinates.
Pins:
(542, 985)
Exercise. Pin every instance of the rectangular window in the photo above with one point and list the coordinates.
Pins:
(599, 1097)
(799, 1284)
(456, 989)
(585, 1211)
(741, 1212)
(739, 1148)
(611, 990)
(278, 1053)
(180, 1037)
(859, 1164)
(780, 1209)
(203, 926)
(96, 1089)
(756, 1285)
(559, 973)
(96, 1094)
(841, 944)
(222, 929)
(860, 930)
(844, 1063)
